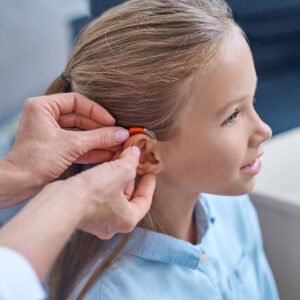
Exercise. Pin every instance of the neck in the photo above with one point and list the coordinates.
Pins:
(174, 209)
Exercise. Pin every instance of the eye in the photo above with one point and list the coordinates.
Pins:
(231, 119)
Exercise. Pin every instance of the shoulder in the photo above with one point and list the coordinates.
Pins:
(127, 279)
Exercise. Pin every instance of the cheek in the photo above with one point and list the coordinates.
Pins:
(227, 157)
(205, 163)
(221, 159)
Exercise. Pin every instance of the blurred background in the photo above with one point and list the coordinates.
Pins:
(36, 37)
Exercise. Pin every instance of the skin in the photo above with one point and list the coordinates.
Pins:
(96, 201)
(101, 200)
(43, 150)
(211, 148)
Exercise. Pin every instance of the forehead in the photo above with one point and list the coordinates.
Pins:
(231, 77)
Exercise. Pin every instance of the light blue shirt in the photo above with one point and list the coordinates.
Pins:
(18, 280)
(228, 262)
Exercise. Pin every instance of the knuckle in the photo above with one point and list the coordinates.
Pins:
(106, 137)
(108, 236)
(74, 94)
(72, 140)
(128, 226)
(103, 236)
(78, 121)
(34, 104)
(103, 138)
(29, 103)
(69, 144)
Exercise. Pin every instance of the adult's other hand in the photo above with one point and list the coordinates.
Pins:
(44, 149)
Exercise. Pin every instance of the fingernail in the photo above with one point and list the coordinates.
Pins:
(136, 150)
(121, 135)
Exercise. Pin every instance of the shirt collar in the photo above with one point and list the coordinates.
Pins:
(160, 247)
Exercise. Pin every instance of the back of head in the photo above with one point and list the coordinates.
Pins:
(133, 60)
(136, 61)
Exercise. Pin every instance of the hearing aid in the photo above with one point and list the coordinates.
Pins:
(142, 130)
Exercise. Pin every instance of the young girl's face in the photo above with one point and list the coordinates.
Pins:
(221, 133)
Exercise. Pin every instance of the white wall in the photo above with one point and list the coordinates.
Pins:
(34, 44)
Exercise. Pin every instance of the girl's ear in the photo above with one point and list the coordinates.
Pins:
(150, 161)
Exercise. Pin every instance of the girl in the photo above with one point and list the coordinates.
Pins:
(182, 69)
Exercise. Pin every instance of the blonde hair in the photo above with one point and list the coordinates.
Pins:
(136, 61)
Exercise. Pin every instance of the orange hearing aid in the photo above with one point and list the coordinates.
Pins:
(137, 130)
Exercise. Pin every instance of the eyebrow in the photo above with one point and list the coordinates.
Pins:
(234, 102)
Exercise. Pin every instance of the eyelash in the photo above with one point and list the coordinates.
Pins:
(231, 118)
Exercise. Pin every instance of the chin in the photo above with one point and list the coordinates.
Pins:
(245, 188)
(238, 189)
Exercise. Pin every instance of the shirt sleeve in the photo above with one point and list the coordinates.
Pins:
(18, 280)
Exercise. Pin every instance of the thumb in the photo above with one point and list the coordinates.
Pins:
(102, 138)
(121, 170)
(126, 164)
(129, 161)
(142, 198)
(129, 157)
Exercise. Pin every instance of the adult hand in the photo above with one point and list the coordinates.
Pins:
(45, 150)
(101, 201)
(112, 203)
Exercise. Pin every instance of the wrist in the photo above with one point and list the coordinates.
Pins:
(74, 198)
(55, 214)
(17, 184)
(25, 174)
(84, 197)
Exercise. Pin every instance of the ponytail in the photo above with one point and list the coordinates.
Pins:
(60, 85)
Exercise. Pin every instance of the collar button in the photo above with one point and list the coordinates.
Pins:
(204, 258)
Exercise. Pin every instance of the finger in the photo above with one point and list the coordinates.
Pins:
(130, 156)
(132, 153)
(121, 171)
(117, 155)
(115, 149)
(73, 120)
(142, 198)
(125, 167)
(95, 156)
(101, 138)
(76, 103)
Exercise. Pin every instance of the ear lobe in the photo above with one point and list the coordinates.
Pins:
(149, 159)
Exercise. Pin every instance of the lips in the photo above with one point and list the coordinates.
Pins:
(250, 164)
(254, 167)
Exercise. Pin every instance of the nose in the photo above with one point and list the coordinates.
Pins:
(261, 132)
